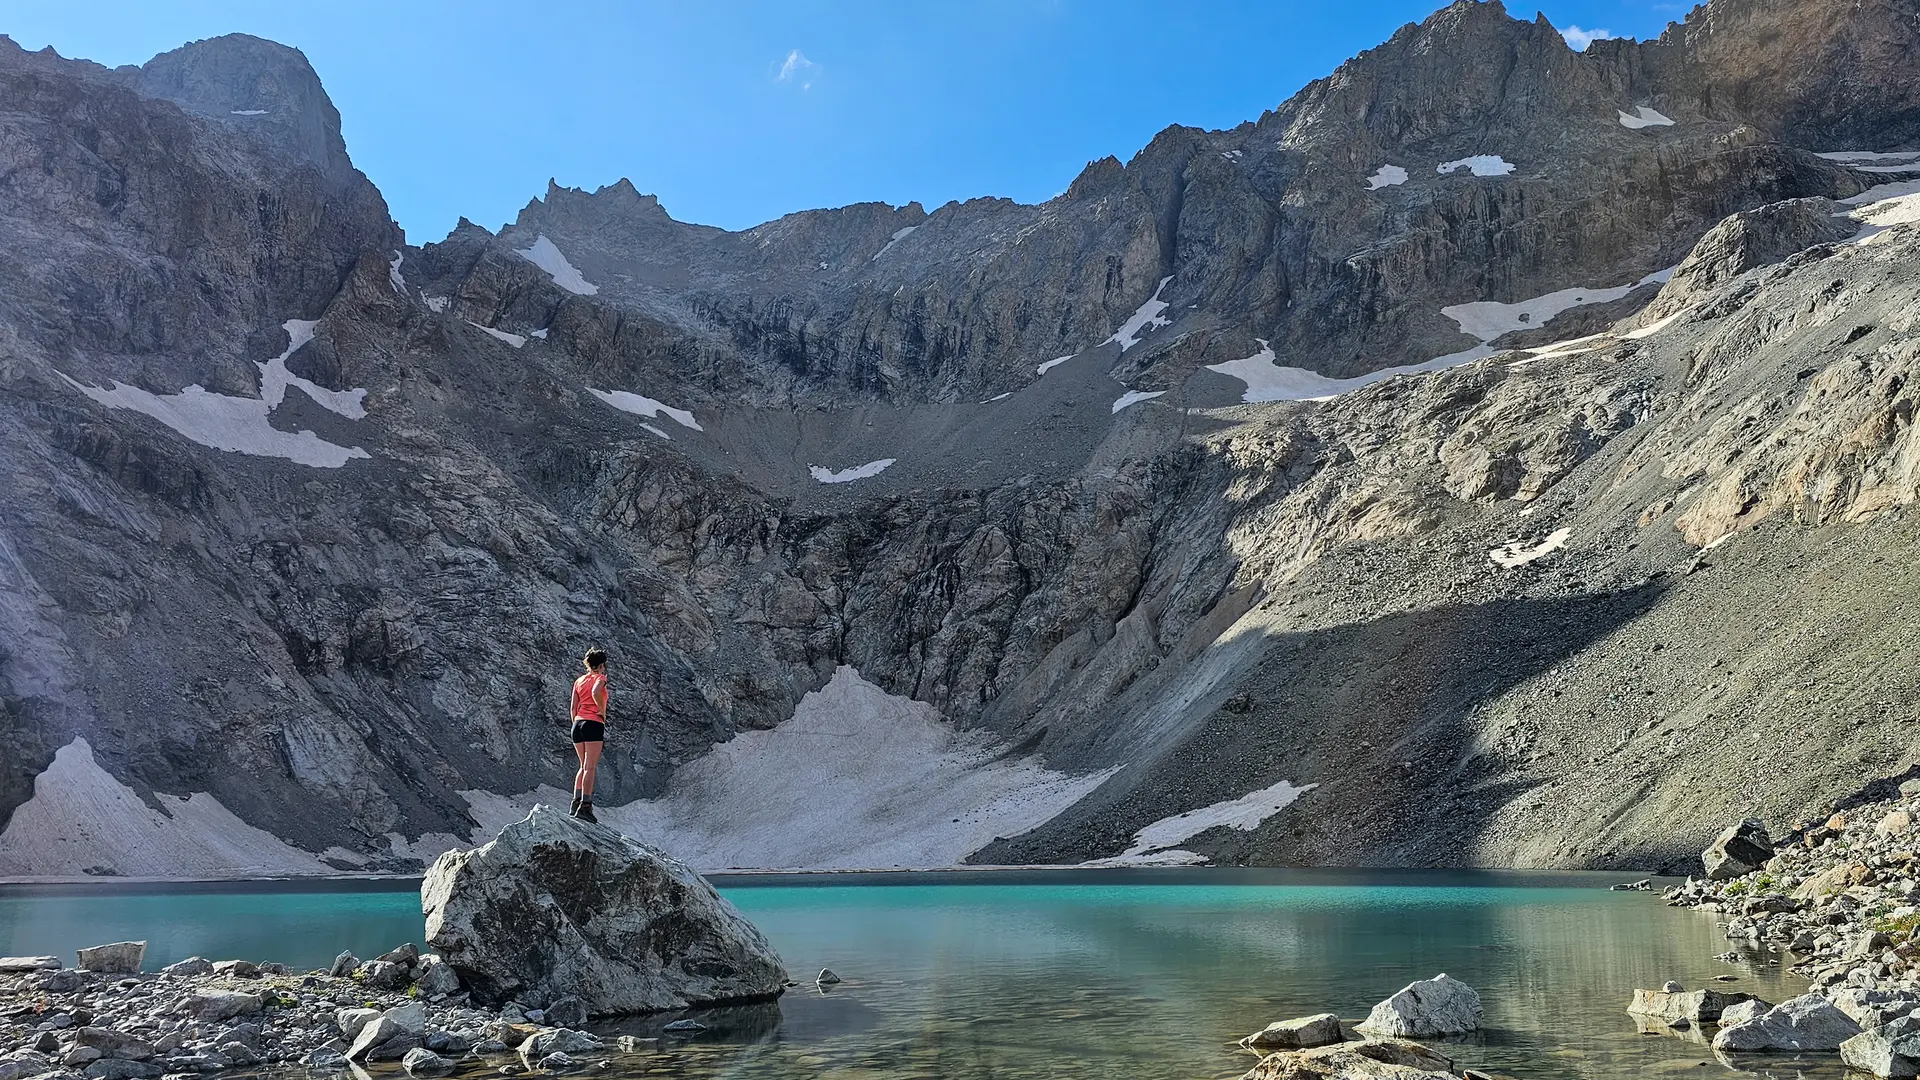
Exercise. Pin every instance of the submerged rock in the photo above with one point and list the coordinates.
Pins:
(424, 1062)
(1741, 849)
(1691, 1005)
(559, 907)
(1376, 1059)
(1808, 1022)
(1442, 1005)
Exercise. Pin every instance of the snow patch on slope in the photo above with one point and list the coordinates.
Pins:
(394, 277)
(847, 476)
(1134, 397)
(857, 779)
(1388, 176)
(1245, 813)
(1642, 117)
(1146, 317)
(1479, 165)
(81, 817)
(640, 405)
(1520, 553)
(1489, 319)
(897, 237)
(1051, 364)
(241, 425)
(546, 255)
(1267, 381)
(249, 112)
(514, 340)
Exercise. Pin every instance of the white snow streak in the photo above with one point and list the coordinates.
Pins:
(545, 255)
(1643, 117)
(80, 816)
(1877, 217)
(1051, 364)
(1245, 813)
(1519, 553)
(998, 397)
(1267, 381)
(394, 278)
(1146, 317)
(1134, 397)
(897, 237)
(1388, 176)
(249, 112)
(847, 476)
(645, 406)
(514, 340)
(1479, 165)
(436, 304)
(1488, 319)
(241, 425)
(1850, 157)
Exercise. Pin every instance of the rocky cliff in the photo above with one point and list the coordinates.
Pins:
(1490, 431)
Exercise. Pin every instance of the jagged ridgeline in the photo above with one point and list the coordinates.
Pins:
(1494, 455)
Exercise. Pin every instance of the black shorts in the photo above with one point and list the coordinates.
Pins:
(589, 731)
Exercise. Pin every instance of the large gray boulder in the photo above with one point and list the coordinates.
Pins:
(1892, 1050)
(1808, 1022)
(1742, 849)
(119, 958)
(1442, 1005)
(557, 907)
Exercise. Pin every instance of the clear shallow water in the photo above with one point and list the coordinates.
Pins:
(1140, 974)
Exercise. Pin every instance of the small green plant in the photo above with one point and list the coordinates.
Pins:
(1738, 888)
(413, 991)
(1900, 930)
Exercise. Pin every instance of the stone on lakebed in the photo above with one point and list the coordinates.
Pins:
(558, 907)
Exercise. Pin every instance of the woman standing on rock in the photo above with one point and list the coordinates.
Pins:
(589, 729)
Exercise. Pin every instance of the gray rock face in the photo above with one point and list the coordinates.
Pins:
(559, 907)
(1442, 1005)
(1302, 1033)
(191, 966)
(1741, 849)
(1742, 1011)
(1808, 1022)
(119, 958)
(1891, 1050)
(214, 1006)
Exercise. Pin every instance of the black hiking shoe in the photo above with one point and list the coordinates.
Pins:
(586, 813)
(575, 811)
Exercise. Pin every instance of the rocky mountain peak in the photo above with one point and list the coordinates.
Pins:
(261, 88)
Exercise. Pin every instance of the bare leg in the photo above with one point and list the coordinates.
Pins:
(589, 765)
(579, 775)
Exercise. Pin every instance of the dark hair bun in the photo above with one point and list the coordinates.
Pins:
(596, 657)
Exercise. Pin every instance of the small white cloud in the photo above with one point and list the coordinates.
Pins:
(799, 70)
(1577, 39)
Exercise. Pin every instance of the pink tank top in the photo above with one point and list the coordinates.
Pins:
(587, 692)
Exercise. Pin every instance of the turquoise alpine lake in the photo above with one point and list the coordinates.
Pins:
(1114, 973)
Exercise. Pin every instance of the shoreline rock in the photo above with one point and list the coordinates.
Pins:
(557, 907)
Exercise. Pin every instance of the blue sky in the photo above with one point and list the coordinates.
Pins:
(737, 112)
